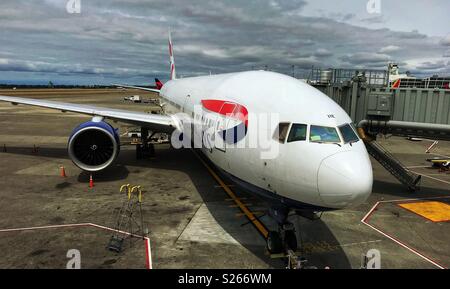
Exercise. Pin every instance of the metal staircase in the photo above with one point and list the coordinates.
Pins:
(393, 165)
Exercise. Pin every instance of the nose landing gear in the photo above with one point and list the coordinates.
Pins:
(282, 240)
(283, 243)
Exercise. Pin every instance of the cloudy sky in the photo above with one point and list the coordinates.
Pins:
(126, 41)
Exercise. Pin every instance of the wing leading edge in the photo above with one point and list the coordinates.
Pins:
(138, 87)
(160, 123)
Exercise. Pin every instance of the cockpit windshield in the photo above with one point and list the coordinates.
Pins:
(297, 133)
(348, 133)
(324, 134)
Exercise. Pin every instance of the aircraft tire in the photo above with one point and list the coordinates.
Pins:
(290, 240)
(274, 243)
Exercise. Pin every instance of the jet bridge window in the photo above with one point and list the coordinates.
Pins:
(282, 131)
(348, 133)
(297, 133)
(323, 134)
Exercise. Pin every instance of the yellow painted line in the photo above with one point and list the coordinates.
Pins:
(245, 204)
(433, 211)
(256, 213)
(251, 217)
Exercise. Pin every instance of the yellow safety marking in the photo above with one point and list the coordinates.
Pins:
(242, 198)
(252, 218)
(138, 191)
(128, 187)
(245, 204)
(433, 211)
(256, 213)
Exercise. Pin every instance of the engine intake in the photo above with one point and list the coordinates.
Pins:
(93, 146)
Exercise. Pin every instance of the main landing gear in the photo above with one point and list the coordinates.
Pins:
(145, 149)
(284, 239)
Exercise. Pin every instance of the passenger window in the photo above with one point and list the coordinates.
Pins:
(348, 133)
(297, 133)
(282, 131)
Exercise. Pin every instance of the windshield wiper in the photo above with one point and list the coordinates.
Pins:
(322, 142)
(353, 141)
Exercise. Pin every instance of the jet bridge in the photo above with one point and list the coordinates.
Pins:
(421, 112)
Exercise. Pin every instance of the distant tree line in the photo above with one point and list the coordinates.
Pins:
(51, 85)
(10, 86)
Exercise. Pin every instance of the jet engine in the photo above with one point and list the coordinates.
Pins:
(94, 145)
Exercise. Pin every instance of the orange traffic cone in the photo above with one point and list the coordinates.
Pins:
(63, 172)
(91, 182)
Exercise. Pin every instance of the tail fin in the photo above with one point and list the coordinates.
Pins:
(396, 83)
(173, 74)
(158, 84)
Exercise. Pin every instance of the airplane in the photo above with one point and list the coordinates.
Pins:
(321, 164)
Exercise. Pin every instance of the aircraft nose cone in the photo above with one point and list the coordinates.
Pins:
(345, 179)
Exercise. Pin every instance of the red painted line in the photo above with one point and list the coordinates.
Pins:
(148, 254)
(411, 249)
(44, 227)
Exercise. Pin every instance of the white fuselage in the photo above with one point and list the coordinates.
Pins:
(327, 175)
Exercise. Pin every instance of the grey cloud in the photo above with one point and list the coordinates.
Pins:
(446, 40)
(366, 58)
(428, 65)
(322, 52)
(389, 49)
(128, 38)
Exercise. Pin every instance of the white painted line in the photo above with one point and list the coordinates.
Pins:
(440, 155)
(414, 199)
(430, 177)
(418, 167)
(431, 146)
(359, 243)
(414, 251)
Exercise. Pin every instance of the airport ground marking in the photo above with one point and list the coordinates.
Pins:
(365, 221)
(251, 217)
(430, 177)
(148, 251)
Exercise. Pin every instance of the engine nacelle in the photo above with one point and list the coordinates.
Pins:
(93, 146)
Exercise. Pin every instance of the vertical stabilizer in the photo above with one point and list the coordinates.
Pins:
(173, 74)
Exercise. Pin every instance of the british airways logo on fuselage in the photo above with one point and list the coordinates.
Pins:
(231, 122)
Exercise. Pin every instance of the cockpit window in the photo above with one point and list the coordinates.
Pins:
(323, 134)
(348, 133)
(297, 133)
(282, 131)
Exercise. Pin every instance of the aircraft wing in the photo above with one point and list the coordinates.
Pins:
(160, 123)
(138, 87)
